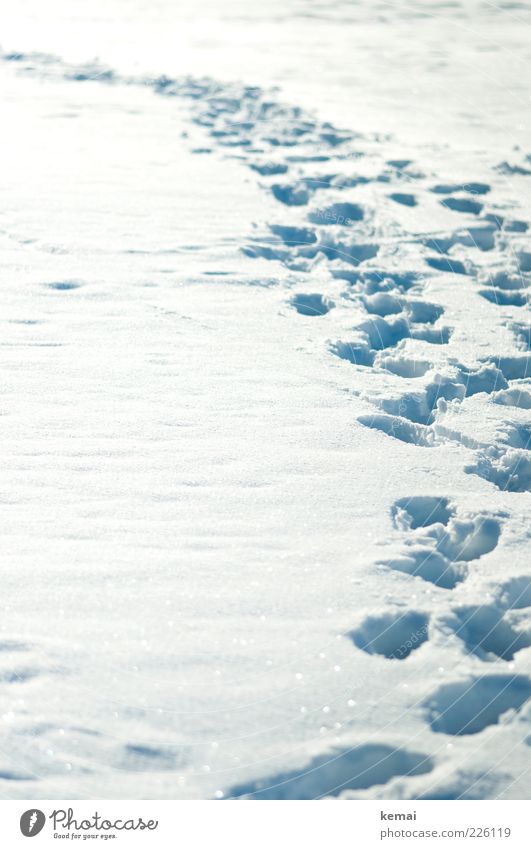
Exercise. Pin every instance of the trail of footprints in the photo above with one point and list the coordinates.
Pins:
(441, 546)
(319, 176)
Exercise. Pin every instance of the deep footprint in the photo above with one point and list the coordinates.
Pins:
(515, 594)
(430, 565)
(486, 633)
(392, 635)
(337, 771)
(401, 429)
(469, 706)
(312, 304)
(421, 511)
(466, 205)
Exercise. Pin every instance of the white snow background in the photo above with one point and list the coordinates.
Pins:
(266, 382)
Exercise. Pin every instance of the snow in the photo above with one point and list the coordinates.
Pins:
(235, 319)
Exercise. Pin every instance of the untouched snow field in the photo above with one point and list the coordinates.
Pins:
(266, 393)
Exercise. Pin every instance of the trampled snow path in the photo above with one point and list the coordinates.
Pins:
(403, 327)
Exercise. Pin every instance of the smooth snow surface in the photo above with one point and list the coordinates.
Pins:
(266, 382)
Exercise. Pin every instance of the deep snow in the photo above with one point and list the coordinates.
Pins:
(265, 402)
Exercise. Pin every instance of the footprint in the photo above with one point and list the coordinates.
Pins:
(296, 247)
(440, 544)
(312, 157)
(399, 164)
(393, 635)
(421, 406)
(294, 235)
(403, 198)
(430, 565)
(483, 238)
(137, 757)
(320, 181)
(383, 304)
(470, 538)
(421, 511)
(13, 775)
(423, 312)
(291, 194)
(475, 784)
(467, 707)
(514, 397)
(312, 304)
(504, 299)
(353, 352)
(513, 368)
(388, 332)
(378, 280)
(506, 280)
(486, 378)
(270, 252)
(336, 771)
(384, 333)
(511, 169)
(18, 675)
(515, 593)
(267, 169)
(522, 334)
(63, 285)
(466, 205)
(440, 244)
(13, 645)
(403, 367)
(401, 429)
(352, 253)
(299, 192)
(516, 227)
(509, 470)
(516, 435)
(21, 663)
(485, 632)
(343, 214)
(387, 303)
(349, 181)
(454, 266)
(334, 137)
(524, 261)
(471, 188)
